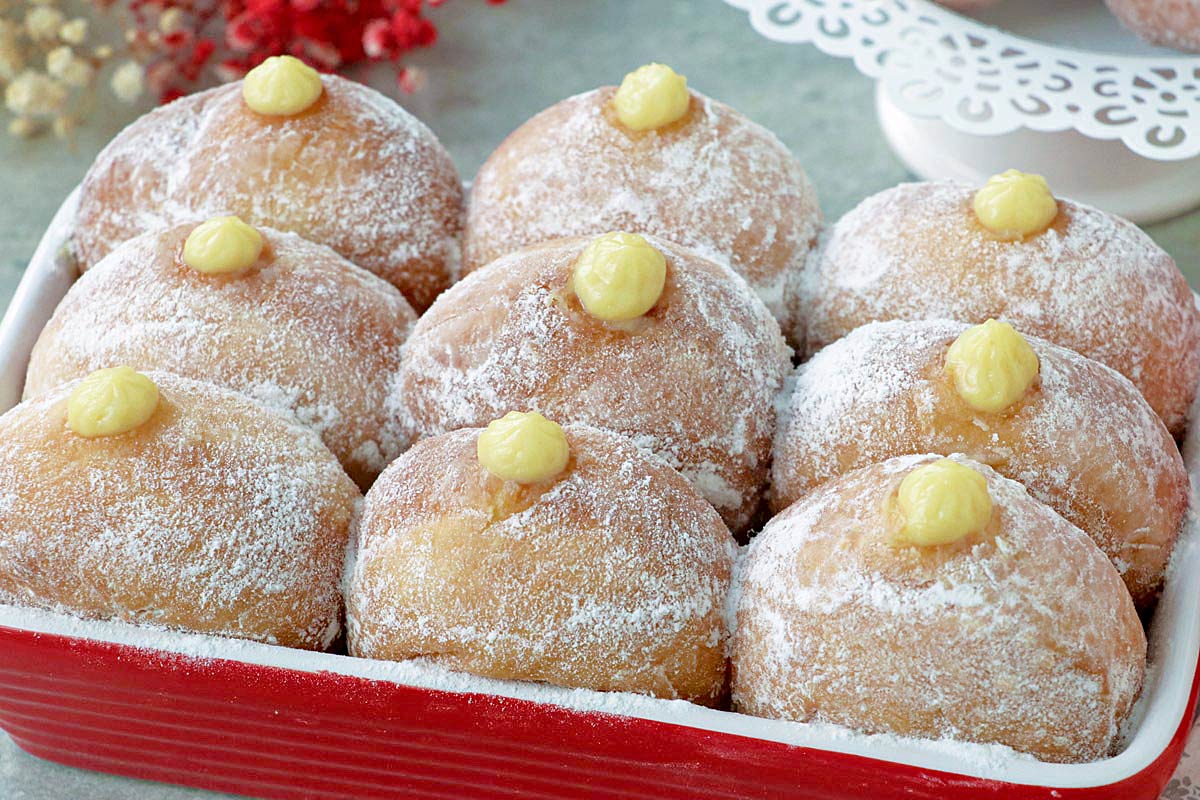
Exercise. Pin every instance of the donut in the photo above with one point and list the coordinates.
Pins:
(1171, 23)
(1088, 281)
(157, 500)
(708, 179)
(1077, 434)
(932, 598)
(293, 325)
(352, 170)
(691, 373)
(530, 551)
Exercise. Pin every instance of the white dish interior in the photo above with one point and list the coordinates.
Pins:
(1174, 634)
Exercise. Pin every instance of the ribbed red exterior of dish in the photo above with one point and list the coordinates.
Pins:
(281, 733)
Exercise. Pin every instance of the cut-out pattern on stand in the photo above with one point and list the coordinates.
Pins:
(978, 79)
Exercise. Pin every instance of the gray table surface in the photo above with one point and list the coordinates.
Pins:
(492, 69)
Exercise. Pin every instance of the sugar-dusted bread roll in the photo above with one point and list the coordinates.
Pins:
(693, 377)
(609, 574)
(1089, 281)
(1079, 436)
(863, 605)
(709, 179)
(353, 171)
(186, 506)
(298, 328)
(1171, 23)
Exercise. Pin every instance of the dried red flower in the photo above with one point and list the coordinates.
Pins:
(230, 37)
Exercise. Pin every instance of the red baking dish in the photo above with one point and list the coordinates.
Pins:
(271, 722)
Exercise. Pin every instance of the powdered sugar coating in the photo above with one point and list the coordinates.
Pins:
(1172, 23)
(1021, 635)
(1092, 282)
(714, 182)
(355, 172)
(304, 331)
(216, 515)
(611, 576)
(694, 380)
(1082, 439)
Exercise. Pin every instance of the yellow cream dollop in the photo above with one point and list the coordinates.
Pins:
(523, 447)
(992, 366)
(941, 503)
(619, 277)
(651, 97)
(222, 245)
(281, 86)
(1015, 204)
(111, 401)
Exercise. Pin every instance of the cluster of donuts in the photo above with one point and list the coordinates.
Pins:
(208, 401)
(958, 518)
(1169, 23)
(974, 476)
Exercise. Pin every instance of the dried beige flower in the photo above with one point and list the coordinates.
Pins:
(11, 65)
(43, 22)
(103, 52)
(58, 59)
(35, 94)
(64, 126)
(25, 127)
(78, 75)
(75, 31)
(62, 63)
(129, 81)
(11, 60)
(171, 20)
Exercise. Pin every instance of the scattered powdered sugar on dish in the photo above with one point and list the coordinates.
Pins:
(612, 576)
(1092, 282)
(307, 332)
(216, 515)
(718, 184)
(694, 381)
(1025, 636)
(359, 174)
(1083, 440)
(195, 650)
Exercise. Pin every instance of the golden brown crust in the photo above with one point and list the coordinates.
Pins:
(712, 181)
(216, 516)
(354, 172)
(1093, 283)
(1021, 635)
(694, 380)
(612, 576)
(1083, 440)
(303, 330)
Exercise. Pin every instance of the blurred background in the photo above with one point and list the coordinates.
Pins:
(492, 67)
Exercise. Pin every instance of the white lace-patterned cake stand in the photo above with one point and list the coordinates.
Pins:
(1050, 86)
